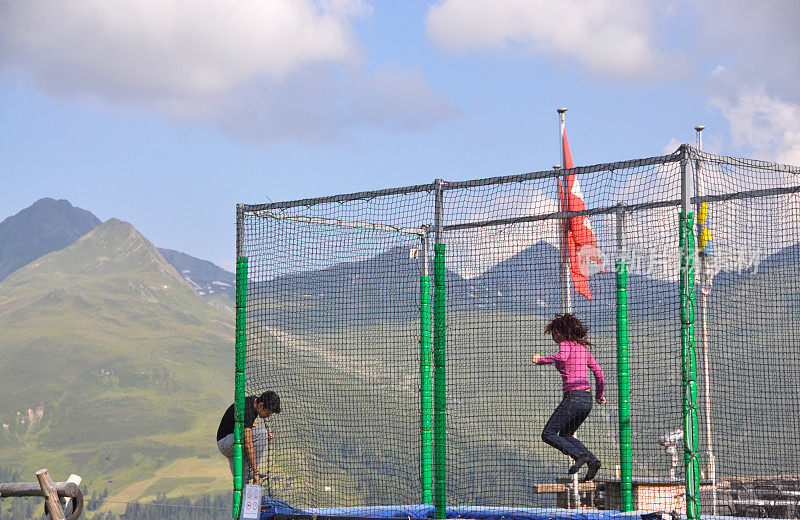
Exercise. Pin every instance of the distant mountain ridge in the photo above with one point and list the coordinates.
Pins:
(386, 286)
(50, 225)
(206, 278)
(46, 226)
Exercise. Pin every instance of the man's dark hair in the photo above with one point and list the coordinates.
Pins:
(271, 400)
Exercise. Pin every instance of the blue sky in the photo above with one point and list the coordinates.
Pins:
(166, 114)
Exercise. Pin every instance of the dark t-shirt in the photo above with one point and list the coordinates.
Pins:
(228, 419)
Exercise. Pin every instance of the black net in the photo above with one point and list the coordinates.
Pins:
(505, 287)
(333, 325)
(748, 293)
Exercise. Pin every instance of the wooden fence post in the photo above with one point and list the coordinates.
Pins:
(52, 503)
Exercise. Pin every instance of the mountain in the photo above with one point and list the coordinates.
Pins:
(206, 278)
(113, 368)
(46, 226)
(786, 257)
(51, 225)
(386, 286)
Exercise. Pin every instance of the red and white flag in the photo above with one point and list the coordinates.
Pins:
(580, 239)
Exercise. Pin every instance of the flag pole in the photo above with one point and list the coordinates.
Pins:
(705, 289)
(566, 281)
(566, 295)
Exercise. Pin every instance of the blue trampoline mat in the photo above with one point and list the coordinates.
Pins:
(270, 508)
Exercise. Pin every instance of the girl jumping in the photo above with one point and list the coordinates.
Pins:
(571, 361)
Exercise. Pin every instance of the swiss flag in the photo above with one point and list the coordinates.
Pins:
(580, 239)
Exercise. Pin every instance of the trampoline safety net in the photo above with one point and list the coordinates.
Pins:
(338, 316)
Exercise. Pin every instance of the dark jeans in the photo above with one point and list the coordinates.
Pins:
(566, 419)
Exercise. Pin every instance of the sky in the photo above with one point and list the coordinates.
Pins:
(167, 114)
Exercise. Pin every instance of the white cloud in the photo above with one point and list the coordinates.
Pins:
(753, 49)
(615, 38)
(173, 48)
(244, 65)
(322, 103)
(763, 125)
(671, 146)
(756, 43)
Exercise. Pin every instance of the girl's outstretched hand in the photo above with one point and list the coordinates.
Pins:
(601, 400)
(536, 358)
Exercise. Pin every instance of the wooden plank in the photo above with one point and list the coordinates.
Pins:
(763, 502)
(549, 487)
(34, 489)
(781, 478)
(50, 495)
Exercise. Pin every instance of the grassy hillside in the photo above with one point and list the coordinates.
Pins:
(124, 369)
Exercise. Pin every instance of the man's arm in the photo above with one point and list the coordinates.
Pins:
(250, 452)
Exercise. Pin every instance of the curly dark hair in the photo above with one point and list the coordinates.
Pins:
(569, 327)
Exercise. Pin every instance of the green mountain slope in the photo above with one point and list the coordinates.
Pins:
(113, 368)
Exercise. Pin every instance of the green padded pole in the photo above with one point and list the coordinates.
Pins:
(425, 384)
(440, 388)
(689, 368)
(439, 345)
(688, 359)
(241, 350)
(624, 388)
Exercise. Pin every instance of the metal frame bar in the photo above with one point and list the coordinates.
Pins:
(693, 153)
(439, 360)
(420, 231)
(627, 208)
(606, 210)
(432, 187)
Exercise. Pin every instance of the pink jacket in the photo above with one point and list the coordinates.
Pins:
(572, 360)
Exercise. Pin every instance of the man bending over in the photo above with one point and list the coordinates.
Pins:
(255, 439)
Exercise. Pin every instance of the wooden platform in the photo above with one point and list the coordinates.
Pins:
(648, 494)
(776, 496)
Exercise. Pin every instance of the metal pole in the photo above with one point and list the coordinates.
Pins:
(566, 278)
(688, 360)
(623, 377)
(439, 343)
(426, 452)
(705, 290)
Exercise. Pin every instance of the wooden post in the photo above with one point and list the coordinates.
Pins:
(51, 501)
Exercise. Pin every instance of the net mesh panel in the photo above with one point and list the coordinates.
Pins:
(751, 284)
(504, 288)
(333, 326)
